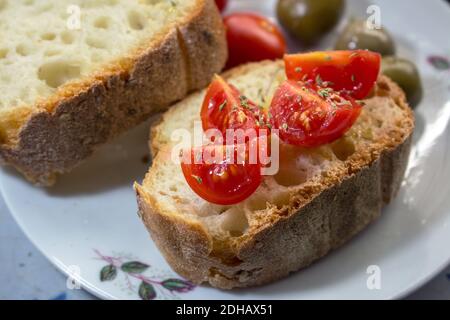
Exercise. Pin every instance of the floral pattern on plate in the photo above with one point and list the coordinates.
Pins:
(439, 62)
(140, 279)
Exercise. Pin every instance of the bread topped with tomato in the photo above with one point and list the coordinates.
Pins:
(338, 168)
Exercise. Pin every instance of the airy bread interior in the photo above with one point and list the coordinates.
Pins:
(303, 172)
(42, 47)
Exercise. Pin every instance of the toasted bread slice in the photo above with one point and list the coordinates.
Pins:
(319, 199)
(75, 73)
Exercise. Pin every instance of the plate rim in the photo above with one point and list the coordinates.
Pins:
(95, 291)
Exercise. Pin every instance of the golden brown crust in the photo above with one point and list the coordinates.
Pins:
(82, 116)
(188, 240)
(318, 220)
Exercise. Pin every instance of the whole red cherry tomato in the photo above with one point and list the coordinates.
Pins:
(223, 182)
(252, 38)
(221, 4)
(353, 71)
(310, 116)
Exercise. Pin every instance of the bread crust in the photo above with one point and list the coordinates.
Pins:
(68, 126)
(318, 221)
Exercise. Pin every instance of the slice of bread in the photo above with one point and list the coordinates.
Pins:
(319, 199)
(75, 73)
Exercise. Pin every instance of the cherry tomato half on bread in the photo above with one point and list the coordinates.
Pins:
(225, 182)
(252, 38)
(224, 107)
(310, 116)
(353, 71)
(221, 4)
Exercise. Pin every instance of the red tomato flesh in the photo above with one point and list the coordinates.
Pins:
(352, 71)
(223, 182)
(310, 116)
(252, 38)
(221, 4)
(224, 107)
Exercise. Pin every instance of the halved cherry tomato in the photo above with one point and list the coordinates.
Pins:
(223, 182)
(221, 4)
(224, 107)
(353, 71)
(310, 116)
(252, 38)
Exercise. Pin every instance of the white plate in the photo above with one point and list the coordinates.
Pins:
(88, 220)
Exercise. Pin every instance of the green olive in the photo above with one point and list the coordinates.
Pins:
(357, 35)
(309, 20)
(406, 75)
